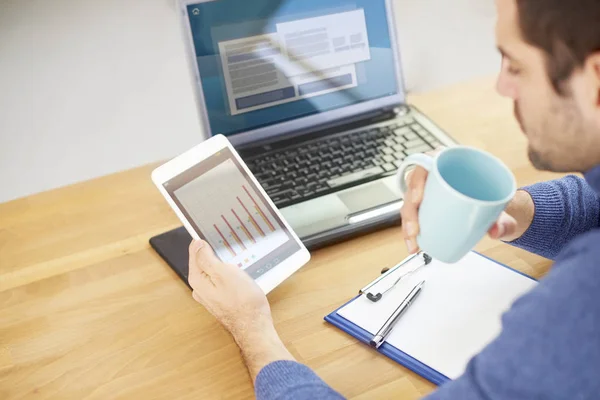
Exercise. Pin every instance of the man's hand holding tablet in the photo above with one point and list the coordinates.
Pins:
(218, 200)
(242, 247)
(239, 304)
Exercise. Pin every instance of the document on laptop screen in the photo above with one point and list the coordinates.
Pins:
(303, 58)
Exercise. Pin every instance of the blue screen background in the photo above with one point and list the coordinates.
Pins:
(377, 76)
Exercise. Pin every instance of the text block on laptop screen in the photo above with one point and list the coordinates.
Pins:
(265, 62)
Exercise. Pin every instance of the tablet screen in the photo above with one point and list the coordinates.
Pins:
(227, 210)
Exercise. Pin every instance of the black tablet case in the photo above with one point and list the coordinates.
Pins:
(173, 247)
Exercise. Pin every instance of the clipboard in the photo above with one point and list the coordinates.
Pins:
(410, 357)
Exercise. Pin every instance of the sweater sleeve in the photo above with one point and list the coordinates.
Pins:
(564, 208)
(282, 380)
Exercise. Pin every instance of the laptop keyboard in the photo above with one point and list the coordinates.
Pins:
(329, 164)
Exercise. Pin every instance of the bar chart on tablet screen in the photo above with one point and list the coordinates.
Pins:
(231, 215)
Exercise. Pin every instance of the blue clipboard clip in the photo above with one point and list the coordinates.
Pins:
(375, 297)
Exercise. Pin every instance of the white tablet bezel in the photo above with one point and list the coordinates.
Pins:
(270, 279)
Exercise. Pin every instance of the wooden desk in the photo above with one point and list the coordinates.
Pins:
(88, 310)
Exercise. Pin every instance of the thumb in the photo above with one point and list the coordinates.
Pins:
(204, 257)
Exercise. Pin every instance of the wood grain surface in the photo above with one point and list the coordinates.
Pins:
(89, 311)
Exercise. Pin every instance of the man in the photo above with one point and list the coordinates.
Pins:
(549, 347)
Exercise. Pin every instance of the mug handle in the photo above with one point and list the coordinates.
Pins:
(422, 160)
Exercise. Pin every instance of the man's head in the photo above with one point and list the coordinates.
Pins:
(551, 69)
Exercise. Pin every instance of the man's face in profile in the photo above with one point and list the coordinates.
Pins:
(561, 133)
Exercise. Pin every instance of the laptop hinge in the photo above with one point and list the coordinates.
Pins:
(369, 118)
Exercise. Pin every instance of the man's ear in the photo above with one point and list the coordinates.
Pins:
(591, 71)
(592, 66)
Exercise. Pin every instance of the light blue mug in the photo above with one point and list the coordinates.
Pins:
(466, 191)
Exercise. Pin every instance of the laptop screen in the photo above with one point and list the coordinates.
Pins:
(264, 62)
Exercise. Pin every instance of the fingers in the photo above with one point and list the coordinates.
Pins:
(416, 185)
(410, 210)
(504, 229)
(197, 297)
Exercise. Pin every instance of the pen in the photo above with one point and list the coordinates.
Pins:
(376, 296)
(387, 327)
(385, 274)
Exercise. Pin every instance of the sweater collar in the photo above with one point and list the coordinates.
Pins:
(593, 178)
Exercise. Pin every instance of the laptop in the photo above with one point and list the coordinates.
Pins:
(310, 93)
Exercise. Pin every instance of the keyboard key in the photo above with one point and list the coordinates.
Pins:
(388, 150)
(371, 143)
(398, 147)
(389, 158)
(389, 167)
(421, 149)
(263, 175)
(278, 200)
(414, 143)
(400, 141)
(347, 168)
(271, 186)
(366, 173)
(402, 131)
(283, 193)
(306, 193)
(411, 136)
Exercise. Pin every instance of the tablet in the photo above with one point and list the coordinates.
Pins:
(217, 199)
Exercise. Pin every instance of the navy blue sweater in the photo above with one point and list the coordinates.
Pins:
(549, 347)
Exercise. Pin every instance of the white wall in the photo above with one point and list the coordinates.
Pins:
(89, 88)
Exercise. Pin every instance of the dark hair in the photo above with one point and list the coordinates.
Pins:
(568, 31)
